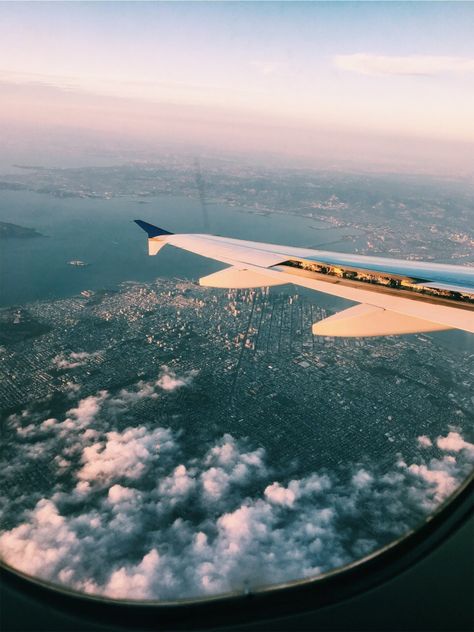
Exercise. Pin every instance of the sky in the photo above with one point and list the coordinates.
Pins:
(358, 80)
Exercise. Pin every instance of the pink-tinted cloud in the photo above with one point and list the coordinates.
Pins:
(424, 65)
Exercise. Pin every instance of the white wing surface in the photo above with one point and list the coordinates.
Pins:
(397, 296)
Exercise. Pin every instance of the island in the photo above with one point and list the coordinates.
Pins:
(9, 231)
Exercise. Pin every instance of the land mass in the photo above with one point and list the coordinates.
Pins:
(8, 231)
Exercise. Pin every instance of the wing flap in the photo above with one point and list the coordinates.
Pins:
(368, 320)
(238, 278)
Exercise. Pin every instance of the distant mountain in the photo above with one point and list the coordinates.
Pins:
(8, 231)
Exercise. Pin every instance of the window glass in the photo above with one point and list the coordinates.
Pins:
(163, 440)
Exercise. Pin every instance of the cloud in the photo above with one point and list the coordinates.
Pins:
(279, 495)
(86, 410)
(123, 455)
(142, 390)
(72, 389)
(178, 484)
(454, 442)
(410, 65)
(126, 512)
(168, 381)
(263, 532)
(362, 479)
(250, 521)
(41, 545)
(54, 446)
(230, 467)
(215, 483)
(269, 67)
(78, 418)
(116, 494)
(441, 474)
(134, 581)
(424, 441)
(74, 359)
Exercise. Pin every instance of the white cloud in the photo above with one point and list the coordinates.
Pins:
(454, 442)
(41, 545)
(74, 359)
(82, 488)
(51, 422)
(230, 467)
(175, 527)
(424, 441)
(72, 388)
(422, 65)
(26, 431)
(362, 479)
(441, 474)
(280, 495)
(168, 381)
(267, 67)
(134, 582)
(124, 454)
(142, 391)
(225, 453)
(178, 484)
(245, 523)
(85, 412)
(215, 483)
(117, 493)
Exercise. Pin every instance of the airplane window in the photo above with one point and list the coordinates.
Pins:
(165, 440)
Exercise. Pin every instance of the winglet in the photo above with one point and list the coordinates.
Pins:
(152, 231)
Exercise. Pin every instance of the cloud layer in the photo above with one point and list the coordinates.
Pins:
(131, 516)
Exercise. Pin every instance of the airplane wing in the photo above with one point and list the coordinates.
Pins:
(395, 296)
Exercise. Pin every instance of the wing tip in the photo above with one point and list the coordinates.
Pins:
(151, 229)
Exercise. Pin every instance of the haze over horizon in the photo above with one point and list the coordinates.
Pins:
(386, 86)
